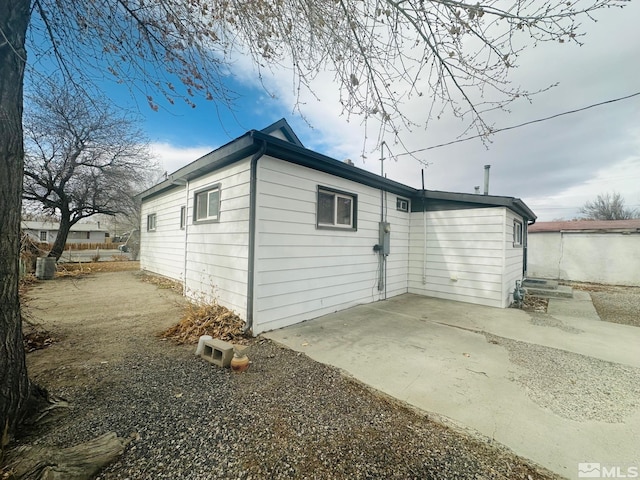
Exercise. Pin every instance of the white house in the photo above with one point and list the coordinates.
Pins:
(586, 251)
(46, 232)
(282, 234)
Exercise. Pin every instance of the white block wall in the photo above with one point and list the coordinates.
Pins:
(609, 258)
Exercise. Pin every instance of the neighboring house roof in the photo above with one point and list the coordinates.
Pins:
(78, 227)
(264, 142)
(587, 225)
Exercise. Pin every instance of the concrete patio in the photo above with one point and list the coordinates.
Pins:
(434, 355)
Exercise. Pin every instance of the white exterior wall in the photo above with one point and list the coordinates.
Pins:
(162, 250)
(303, 272)
(217, 252)
(513, 257)
(465, 255)
(609, 258)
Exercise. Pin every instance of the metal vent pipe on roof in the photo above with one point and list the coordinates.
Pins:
(486, 179)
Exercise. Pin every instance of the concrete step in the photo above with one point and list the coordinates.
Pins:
(540, 283)
(560, 291)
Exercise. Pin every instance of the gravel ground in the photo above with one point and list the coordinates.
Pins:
(286, 417)
(575, 386)
(615, 304)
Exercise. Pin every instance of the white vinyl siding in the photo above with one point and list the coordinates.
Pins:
(162, 250)
(217, 252)
(303, 272)
(464, 255)
(513, 257)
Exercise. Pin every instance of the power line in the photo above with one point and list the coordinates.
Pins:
(520, 124)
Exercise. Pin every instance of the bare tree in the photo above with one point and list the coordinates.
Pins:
(82, 158)
(608, 207)
(383, 53)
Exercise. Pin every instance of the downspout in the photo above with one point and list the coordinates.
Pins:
(251, 258)
(381, 258)
(186, 236)
(424, 225)
(525, 234)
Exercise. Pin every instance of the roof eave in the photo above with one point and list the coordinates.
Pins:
(308, 158)
(221, 157)
(515, 204)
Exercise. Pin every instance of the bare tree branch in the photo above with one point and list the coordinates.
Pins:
(80, 160)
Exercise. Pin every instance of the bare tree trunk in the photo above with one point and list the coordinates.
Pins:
(14, 383)
(63, 232)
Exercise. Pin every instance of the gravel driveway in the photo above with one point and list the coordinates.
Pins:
(286, 417)
(617, 304)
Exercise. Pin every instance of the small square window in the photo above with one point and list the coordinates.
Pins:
(336, 209)
(517, 233)
(402, 204)
(183, 217)
(207, 205)
(151, 222)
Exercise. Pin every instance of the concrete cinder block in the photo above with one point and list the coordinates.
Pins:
(218, 352)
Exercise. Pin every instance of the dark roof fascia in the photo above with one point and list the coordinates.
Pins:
(308, 158)
(514, 204)
(251, 142)
(230, 153)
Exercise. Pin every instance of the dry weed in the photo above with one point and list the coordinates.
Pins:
(75, 269)
(162, 282)
(207, 319)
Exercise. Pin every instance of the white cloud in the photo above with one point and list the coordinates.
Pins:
(171, 157)
(554, 165)
(560, 163)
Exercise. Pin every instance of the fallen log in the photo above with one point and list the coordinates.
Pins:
(80, 462)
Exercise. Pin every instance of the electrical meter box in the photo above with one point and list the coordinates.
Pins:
(385, 238)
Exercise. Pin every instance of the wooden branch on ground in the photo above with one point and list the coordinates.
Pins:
(80, 462)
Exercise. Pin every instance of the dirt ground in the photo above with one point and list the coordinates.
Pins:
(286, 417)
(94, 331)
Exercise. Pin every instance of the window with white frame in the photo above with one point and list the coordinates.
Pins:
(517, 233)
(43, 236)
(402, 204)
(336, 209)
(206, 206)
(183, 217)
(151, 222)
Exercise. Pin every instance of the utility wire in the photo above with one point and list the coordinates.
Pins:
(519, 125)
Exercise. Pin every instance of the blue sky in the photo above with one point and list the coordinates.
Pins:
(554, 166)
